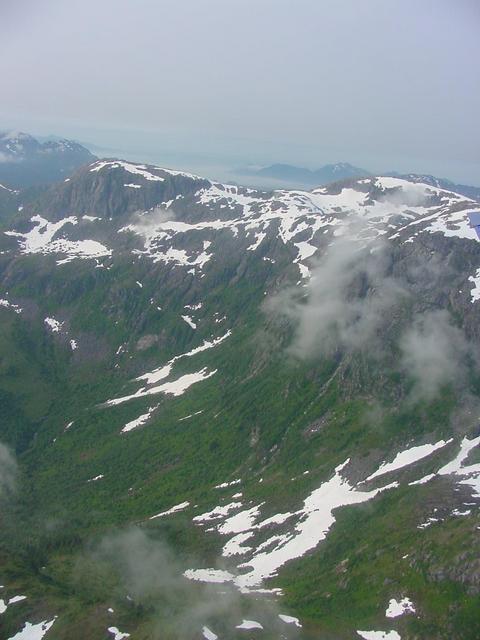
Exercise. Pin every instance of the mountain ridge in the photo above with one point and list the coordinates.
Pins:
(291, 174)
(26, 162)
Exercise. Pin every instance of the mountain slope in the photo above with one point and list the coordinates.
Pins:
(442, 183)
(242, 391)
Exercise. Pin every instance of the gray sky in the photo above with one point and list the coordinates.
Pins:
(212, 84)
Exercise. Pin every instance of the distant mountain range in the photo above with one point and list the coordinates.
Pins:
(28, 161)
(25, 162)
(291, 175)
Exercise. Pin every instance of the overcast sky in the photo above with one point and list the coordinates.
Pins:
(384, 84)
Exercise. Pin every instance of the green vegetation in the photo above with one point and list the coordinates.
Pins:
(263, 416)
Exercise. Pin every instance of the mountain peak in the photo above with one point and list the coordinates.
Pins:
(15, 135)
(27, 162)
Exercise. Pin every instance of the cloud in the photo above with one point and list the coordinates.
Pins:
(411, 197)
(150, 572)
(154, 217)
(6, 158)
(8, 471)
(148, 224)
(346, 300)
(434, 354)
(355, 301)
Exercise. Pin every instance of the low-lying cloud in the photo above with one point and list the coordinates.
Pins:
(134, 564)
(434, 354)
(346, 300)
(353, 301)
(150, 220)
(8, 471)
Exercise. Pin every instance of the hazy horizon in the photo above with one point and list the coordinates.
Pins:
(211, 85)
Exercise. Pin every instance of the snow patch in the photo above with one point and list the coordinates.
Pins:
(138, 422)
(174, 388)
(136, 169)
(258, 240)
(313, 521)
(208, 634)
(9, 305)
(289, 619)
(41, 240)
(189, 321)
(399, 607)
(117, 635)
(175, 509)
(53, 325)
(249, 624)
(407, 457)
(163, 372)
(190, 415)
(217, 512)
(99, 477)
(224, 485)
(234, 546)
(216, 576)
(33, 631)
(379, 635)
(475, 292)
(457, 468)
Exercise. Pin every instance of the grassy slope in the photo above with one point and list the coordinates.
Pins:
(255, 412)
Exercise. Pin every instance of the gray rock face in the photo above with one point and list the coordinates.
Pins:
(108, 190)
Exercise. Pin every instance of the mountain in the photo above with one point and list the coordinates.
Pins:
(24, 161)
(235, 413)
(289, 175)
(442, 183)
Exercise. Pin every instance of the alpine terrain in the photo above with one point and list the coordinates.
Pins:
(234, 413)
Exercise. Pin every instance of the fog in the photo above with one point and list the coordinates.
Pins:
(346, 300)
(434, 354)
(134, 569)
(351, 303)
(8, 471)
(211, 84)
